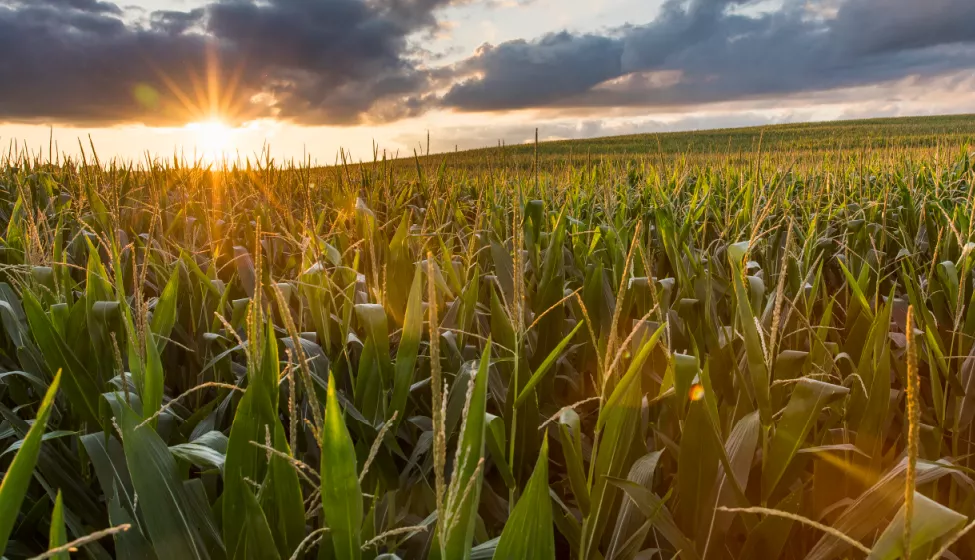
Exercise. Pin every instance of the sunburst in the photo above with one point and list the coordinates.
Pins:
(212, 98)
(213, 138)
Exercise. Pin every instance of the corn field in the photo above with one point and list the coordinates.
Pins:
(611, 359)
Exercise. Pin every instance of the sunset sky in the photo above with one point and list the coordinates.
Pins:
(309, 76)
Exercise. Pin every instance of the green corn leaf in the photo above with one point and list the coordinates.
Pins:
(199, 455)
(547, 301)
(153, 381)
(373, 318)
(58, 535)
(13, 488)
(256, 421)
(567, 524)
(930, 522)
(528, 531)
(369, 394)
(854, 285)
(617, 423)
(282, 499)
(805, 405)
(631, 530)
(484, 551)
(686, 369)
(501, 328)
(496, 444)
(257, 540)
(46, 437)
(108, 459)
(570, 435)
(341, 494)
(656, 511)
(966, 405)
(12, 315)
(245, 270)
(758, 379)
(504, 269)
(468, 306)
(398, 268)
(866, 515)
(739, 449)
(737, 252)
(546, 365)
(164, 314)
(82, 391)
(409, 346)
(243, 462)
(870, 431)
(458, 526)
(98, 286)
(770, 535)
(697, 471)
(132, 543)
(631, 375)
(176, 525)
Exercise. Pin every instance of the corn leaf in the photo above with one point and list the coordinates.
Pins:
(172, 520)
(465, 487)
(546, 365)
(528, 530)
(570, 435)
(409, 345)
(797, 421)
(58, 534)
(617, 423)
(164, 314)
(930, 522)
(13, 488)
(341, 494)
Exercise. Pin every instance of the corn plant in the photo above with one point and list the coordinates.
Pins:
(499, 355)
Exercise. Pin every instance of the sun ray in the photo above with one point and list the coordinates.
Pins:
(213, 80)
(177, 91)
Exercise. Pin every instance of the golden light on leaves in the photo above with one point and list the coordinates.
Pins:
(696, 393)
(861, 473)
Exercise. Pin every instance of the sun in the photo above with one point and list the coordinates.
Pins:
(212, 139)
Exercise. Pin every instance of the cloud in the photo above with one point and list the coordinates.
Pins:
(707, 51)
(349, 62)
(92, 6)
(312, 61)
(952, 93)
(526, 74)
(875, 27)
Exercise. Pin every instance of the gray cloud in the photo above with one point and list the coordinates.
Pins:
(954, 93)
(520, 74)
(874, 27)
(93, 6)
(314, 61)
(354, 61)
(705, 51)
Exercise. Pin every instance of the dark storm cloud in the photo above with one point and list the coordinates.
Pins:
(519, 73)
(885, 26)
(315, 61)
(703, 51)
